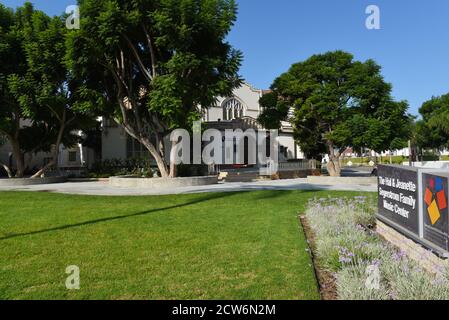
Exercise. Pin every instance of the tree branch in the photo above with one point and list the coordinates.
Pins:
(152, 51)
(63, 125)
(139, 60)
(7, 169)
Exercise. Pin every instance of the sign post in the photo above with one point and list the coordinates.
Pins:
(414, 202)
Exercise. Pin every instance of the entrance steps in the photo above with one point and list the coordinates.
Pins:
(239, 176)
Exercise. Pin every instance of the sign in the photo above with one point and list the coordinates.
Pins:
(398, 196)
(415, 202)
(435, 209)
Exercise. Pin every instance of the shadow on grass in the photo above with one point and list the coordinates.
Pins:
(208, 197)
(273, 194)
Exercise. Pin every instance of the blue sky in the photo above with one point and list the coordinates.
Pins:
(412, 46)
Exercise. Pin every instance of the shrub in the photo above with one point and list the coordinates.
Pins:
(346, 245)
(119, 167)
(185, 170)
(351, 285)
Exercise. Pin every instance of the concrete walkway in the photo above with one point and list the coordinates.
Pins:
(104, 189)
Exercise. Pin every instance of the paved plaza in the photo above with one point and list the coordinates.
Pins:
(104, 189)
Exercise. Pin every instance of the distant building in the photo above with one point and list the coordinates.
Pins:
(70, 159)
(239, 111)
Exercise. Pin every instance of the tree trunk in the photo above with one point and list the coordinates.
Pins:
(145, 141)
(172, 161)
(162, 166)
(173, 171)
(333, 166)
(18, 156)
(43, 169)
(7, 169)
(55, 157)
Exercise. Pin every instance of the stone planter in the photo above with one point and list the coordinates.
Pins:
(341, 180)
(18, 182)
(161, 183)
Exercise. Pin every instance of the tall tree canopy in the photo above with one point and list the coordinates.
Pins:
(338, 103)
(48, 90)
(36, 90)
(433, 129)
(13, 64)
(150, 64)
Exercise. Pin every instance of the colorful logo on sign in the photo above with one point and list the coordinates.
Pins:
(435, 199)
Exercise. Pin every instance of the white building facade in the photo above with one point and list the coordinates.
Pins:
(239, 111)
(72, 158)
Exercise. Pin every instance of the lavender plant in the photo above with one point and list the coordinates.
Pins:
(348, 246)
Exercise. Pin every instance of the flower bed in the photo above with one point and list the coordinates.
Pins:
(363, 266)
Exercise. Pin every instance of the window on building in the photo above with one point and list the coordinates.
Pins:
(109, 123)
(135, 150)
(72, 156)
(232, 109)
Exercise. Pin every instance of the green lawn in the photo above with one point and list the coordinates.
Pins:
(201, 246)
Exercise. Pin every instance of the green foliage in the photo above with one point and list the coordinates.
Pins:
(119, 167)
(346, 245)
(13, 63)
(433, 130)
(149, 64)
(338, 102)
(36, 90)
(275, 110)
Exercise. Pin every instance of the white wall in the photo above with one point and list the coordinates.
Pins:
(113, 143)
(286, 140)
(402, 152)
(4, 153)
(429, 164)
(31, 160)
(114, 140)
(247, 95)
(36, 161)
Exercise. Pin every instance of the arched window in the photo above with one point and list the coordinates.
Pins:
(232, 109)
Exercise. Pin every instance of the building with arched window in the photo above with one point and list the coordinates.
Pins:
(232, 109)
(238, 111)
(241, 111)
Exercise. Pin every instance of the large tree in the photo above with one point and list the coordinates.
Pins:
(152, 64)
(47, 90)
(13, 63)
(432, 131)
(35, 87)
(338, 103)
